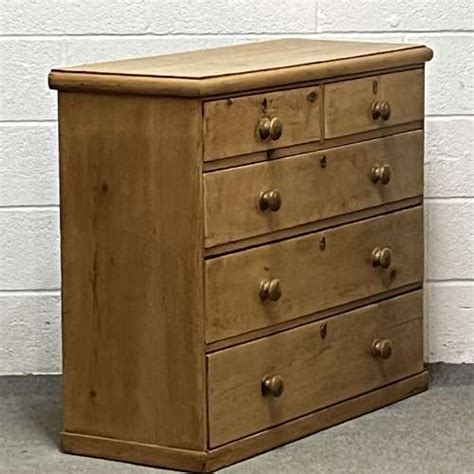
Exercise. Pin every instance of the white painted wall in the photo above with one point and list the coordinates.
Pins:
(38, 34)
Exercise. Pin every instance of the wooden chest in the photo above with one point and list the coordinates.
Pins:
(242, 246)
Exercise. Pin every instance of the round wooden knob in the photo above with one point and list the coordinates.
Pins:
(270, 128)
(382, 257)
(381, 109)
(381, 173)
(270, 200)
(264, 128)
(272, 386)
(270, 290)
(276, 128)
(382, 348)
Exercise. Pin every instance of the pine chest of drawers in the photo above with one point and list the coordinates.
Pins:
(242, 246)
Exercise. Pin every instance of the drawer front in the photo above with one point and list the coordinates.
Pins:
(266, 285)
(360, 105)
(311, 187)
(317, 365)
(261, 122)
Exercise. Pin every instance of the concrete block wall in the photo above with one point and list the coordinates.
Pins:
(38, 34)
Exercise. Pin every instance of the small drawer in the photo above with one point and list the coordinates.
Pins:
(260, 287)
(266, 382)
(371, 103)
(261, 122)
(256, 199)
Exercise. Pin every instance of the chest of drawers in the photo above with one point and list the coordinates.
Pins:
(242, 246)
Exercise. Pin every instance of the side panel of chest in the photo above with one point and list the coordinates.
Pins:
(131, 268)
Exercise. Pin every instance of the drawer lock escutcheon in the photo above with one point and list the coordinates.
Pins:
(381, 173)
(382, 257)
(272, 386)
(382, 348)
(270, 290)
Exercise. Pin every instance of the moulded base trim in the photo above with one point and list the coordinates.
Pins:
(208, 461)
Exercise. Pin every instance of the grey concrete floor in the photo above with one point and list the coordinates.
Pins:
(430, 433)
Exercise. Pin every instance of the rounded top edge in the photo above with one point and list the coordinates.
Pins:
(80, 81)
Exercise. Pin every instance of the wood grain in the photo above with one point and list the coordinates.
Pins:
(231, 125)
(211, 460)
(237, 68)
(270, 155)
(310, 318)
(319, 420)
(309, 191)
(348, 104)
(242, 58)
(131, 246)
(125, 450)
(311, 279)
(165, 337)
(322, 224)
(318, 368)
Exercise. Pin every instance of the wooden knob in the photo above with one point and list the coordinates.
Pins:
(272, 386)
(381, 173)
(382, 257)
(270, 128)
(270, 200)
(276, 128)
(264, 128)
(270, 290)
(381, 109)
(382, 348)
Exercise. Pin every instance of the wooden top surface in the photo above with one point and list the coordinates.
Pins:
(240, 59)
(219, 64)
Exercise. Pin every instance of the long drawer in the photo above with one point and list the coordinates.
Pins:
(311, 187)
(265, 382)
(371, 103)
(266, 285)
